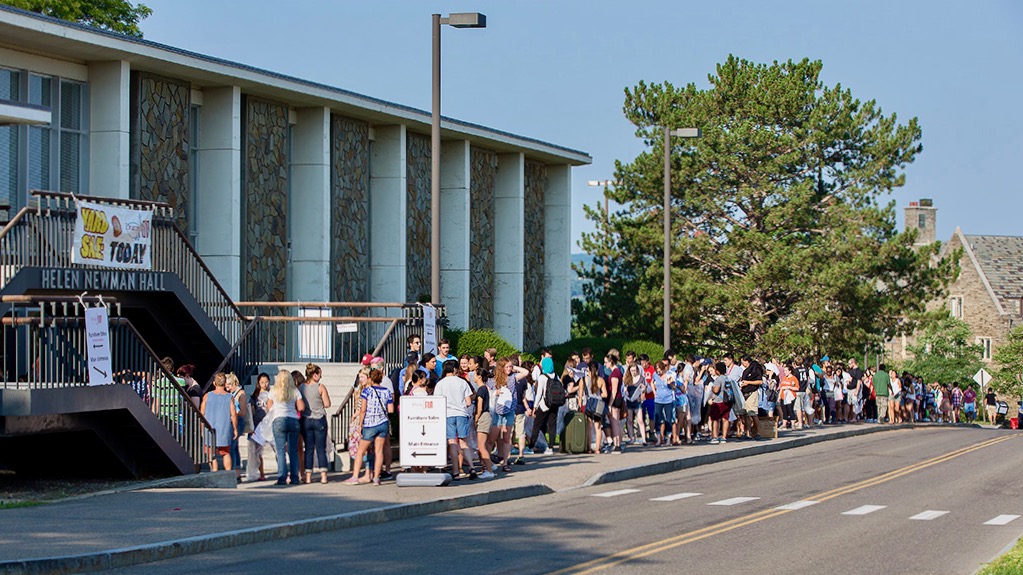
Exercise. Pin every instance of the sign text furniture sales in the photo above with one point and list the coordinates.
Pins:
(113, 237)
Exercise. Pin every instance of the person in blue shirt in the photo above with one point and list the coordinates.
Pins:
(443, 354)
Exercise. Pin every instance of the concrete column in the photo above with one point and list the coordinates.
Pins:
(509, 246)
(109, 129)
(388, 215)
(219, 197)
(309, 207)
(454, 226)
(557, 272)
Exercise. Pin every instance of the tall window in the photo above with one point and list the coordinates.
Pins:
(955, 306)
(72, 133)
(45, 157)
(922, 221)
(985, 344)
(193, 173)
(10, 89)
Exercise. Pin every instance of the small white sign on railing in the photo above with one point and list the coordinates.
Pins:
(348, 328)
(429, 329)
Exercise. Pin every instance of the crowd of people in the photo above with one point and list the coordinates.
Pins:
(502, 409)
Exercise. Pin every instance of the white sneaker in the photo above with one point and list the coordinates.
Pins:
(487, 475)
(548, 451)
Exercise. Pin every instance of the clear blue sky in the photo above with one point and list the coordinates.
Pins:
(556, 70)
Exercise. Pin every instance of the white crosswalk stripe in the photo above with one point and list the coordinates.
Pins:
(1002, 520)
(796, 505)
(676, 497)
(615, 493)
(864, 509)
(928, 515)
(734, 501)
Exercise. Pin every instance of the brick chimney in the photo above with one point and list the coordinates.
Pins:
(923, 217)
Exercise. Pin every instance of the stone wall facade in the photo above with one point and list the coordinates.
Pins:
(978, 309)
(159, 166)
(533, 280)
(265, 189)
(482, 178)
(417, 175)
(349, 199)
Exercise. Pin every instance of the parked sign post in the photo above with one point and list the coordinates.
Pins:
(97, 330)
(423, 431)
(982, 377)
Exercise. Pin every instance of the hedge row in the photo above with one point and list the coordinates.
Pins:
(474, 342)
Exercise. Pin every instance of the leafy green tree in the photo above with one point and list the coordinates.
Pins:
(1008, 378)
(780, 239)
(943, 351)
(118, 16)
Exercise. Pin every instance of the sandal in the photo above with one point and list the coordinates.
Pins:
(351, 481)
(506, 468)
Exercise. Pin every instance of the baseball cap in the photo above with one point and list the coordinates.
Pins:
(367, 359)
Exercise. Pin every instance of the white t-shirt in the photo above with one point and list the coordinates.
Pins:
(735, 374)
(455, 390)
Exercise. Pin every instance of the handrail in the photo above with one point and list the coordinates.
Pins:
(232, 352)
(383, 340)
(315, 304)
(311, 319)
(17, 217)
(103, 200)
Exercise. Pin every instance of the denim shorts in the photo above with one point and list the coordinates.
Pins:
(506, 420)
(664, 413)
(458, 427)
(371, 433)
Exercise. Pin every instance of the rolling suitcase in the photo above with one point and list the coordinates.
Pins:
(573, 439)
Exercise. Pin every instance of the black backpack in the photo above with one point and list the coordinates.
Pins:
(555, 392)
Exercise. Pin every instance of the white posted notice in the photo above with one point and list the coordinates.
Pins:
(97, 332)
(429, 329)
(423, 431)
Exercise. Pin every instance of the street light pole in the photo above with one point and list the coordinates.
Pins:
(457, 20)
(668, 133)
(607, 215)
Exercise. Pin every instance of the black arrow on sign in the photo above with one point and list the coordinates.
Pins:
(414, 454)
(103, 373)
(424, 430)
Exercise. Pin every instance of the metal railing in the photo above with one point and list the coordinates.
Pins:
(46, 348)
(42, 235)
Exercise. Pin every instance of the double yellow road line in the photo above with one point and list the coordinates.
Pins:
(641, 551)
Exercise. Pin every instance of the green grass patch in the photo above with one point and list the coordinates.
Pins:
(19, 504)
(1011, 563)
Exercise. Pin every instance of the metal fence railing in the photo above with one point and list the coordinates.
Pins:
(46, 347)
(42, 235)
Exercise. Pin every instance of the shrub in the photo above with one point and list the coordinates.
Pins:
(476, 341)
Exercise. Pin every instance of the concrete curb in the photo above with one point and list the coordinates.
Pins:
(128, 556)
(629, 473)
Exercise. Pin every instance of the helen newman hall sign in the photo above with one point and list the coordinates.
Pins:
(112, 237)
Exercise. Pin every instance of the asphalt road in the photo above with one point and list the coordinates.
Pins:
(908, 502)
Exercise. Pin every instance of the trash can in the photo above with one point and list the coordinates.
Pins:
(1013, 423)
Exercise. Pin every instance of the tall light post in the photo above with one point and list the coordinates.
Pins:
(668, 133)
(607, 214)
(457, 20)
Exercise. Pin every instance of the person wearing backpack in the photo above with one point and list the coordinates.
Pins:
(550, 395)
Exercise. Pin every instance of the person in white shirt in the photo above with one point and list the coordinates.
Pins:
(458, 395)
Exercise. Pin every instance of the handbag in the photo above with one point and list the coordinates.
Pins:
(595, 408)
(638, 393)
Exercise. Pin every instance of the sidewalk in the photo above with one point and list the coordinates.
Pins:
(76, 535)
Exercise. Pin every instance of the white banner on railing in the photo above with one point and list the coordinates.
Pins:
(113, 237)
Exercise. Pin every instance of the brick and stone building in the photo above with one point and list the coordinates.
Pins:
(988, 294)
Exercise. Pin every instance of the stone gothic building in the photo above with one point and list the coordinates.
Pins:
(988, 294)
